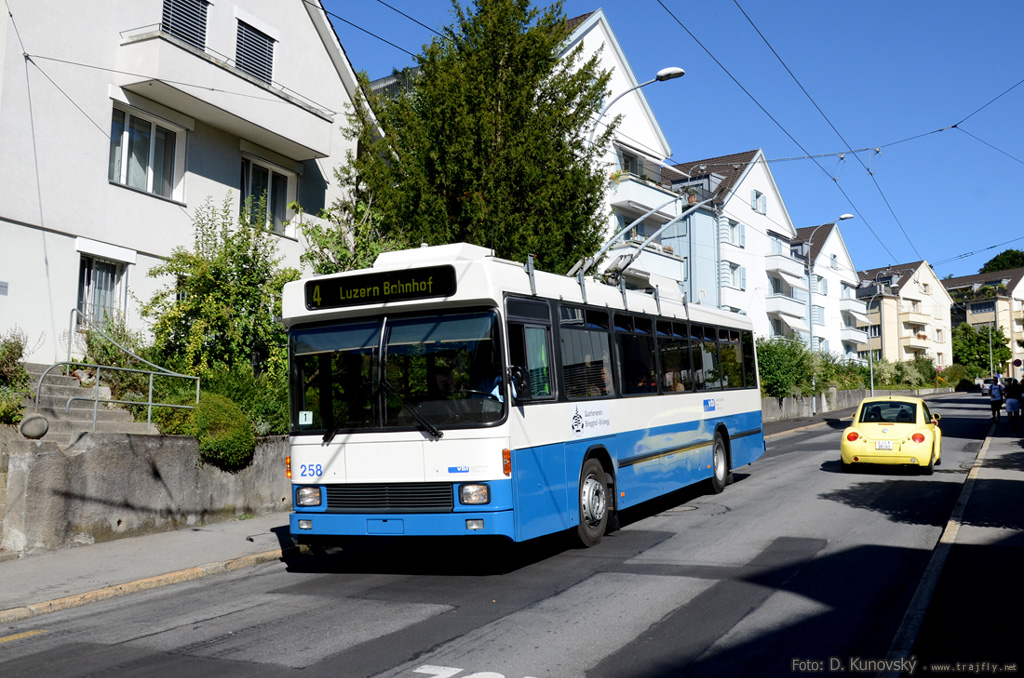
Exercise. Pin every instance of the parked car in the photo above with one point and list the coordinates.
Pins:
(893, 430)
(986, 385)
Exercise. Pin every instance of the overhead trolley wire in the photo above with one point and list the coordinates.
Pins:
(777, 123)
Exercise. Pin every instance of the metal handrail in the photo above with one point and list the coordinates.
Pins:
(95, 398)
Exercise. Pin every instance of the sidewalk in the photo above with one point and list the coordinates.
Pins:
(966, 610)
(63, 579)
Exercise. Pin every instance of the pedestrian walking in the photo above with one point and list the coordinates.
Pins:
(1013, 392)
(995, 394)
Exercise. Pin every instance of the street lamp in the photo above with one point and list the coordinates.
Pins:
(669, 73)
(881, 346)
(810, 316)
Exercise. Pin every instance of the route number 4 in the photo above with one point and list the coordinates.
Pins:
(448, 672)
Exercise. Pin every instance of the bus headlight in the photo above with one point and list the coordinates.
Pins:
(307, 496)
(475, 494)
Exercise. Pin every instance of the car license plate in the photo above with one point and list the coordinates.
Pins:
(883, 444)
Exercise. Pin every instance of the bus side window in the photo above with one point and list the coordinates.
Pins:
(529, 350)
(749, 358)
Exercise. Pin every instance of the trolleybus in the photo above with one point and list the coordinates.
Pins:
(445, 391)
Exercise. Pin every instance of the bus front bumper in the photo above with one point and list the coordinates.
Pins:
(500, 523)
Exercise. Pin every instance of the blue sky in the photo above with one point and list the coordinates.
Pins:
(889, 75)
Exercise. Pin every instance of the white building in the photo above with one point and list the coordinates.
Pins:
(833, 281)
(634, 159)
(119, 119)
(739, 244)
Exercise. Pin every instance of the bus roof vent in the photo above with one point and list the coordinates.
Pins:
(436, 254)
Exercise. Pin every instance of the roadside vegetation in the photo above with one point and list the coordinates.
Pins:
(14, 386)
(788, 368)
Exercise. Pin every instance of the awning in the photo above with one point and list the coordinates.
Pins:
(860, 317)
(794, 322)
(795, 281)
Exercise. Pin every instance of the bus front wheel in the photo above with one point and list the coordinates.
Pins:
(593, 503)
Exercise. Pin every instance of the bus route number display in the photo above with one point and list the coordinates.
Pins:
(377, 288)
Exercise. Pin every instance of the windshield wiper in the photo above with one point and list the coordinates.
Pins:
(433, 430)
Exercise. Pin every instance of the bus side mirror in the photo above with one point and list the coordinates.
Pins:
(520, 384)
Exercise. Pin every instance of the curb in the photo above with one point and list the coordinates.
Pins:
(117, 590)
(913, 618)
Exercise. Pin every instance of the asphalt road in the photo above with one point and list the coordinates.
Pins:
(794, 566)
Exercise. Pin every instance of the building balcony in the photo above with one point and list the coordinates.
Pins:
(781, 305)
(852, 335)
(914, 317)
(917, 342)
(264, 114)
(787, 268)
(636, 194)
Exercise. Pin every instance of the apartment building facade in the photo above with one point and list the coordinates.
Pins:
(118, 120)
(994, 299)
(836, 314)
(908, 311)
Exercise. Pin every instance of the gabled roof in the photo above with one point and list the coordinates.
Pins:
(820, 235)
(1012, 278)
(904, 271)
(579, 27)
(731, 168)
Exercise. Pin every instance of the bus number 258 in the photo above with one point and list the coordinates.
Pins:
(311, 470)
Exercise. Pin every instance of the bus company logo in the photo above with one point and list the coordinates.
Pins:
(577, 424)
(709, 405)
(458, 469)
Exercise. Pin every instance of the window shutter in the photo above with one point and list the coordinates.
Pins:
(743, 235)
(254, 53)
(186, 20)
(743, 278)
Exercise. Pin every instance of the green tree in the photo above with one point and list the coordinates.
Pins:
(219, 309)
(1004, 261)
(785, 367)
(971, 348)
(347, 236)
(489, 144)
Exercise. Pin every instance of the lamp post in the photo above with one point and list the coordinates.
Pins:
(669, 73)
(878, 290)
(810, 315)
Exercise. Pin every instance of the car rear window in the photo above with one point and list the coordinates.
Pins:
(889, 413)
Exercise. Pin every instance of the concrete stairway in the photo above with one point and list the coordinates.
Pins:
(66, 427)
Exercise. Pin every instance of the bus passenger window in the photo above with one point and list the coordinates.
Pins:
(674, 351)
(529, 350)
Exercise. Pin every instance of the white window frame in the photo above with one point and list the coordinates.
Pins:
(758, 201)
(118, 160)
(273, 170)
(95, 283)
(818, 315)
(737, 276)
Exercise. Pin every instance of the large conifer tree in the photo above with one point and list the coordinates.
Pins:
(488, 145)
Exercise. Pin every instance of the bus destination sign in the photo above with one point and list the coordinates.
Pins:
(378, 288)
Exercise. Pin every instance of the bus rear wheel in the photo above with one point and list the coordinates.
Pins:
(593, 503)
(719, 464)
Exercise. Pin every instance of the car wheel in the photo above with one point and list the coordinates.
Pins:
(593, 503)
(719, 464)
(930, 468)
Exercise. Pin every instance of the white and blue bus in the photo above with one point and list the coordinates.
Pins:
(445, 391)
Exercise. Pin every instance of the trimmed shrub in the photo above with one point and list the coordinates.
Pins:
(225, 435)
(13, 378)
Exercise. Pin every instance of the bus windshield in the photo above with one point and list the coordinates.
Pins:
(441, 369)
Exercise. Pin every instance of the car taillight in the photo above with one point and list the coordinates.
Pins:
(917, 438)
(852, 436)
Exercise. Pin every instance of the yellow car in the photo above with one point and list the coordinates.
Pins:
(893, 430)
